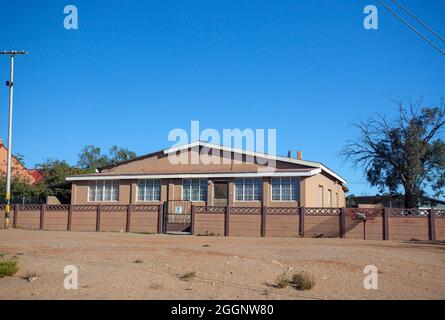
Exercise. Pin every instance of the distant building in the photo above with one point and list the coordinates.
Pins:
(33, 176)
(390, 201)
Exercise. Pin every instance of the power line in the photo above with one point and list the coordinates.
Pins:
(418, 20)
(412, 28)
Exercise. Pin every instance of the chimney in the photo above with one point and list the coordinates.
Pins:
(1, 142)
(289, 154)
(299, 155)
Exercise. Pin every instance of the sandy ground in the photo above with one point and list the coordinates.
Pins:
(226, 268)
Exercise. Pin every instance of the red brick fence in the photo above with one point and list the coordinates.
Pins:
(349, 223)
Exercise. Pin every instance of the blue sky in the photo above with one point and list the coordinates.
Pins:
(134, 70)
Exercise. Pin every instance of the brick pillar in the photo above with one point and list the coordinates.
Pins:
(385, 224)
(342, 223)
(128, 222)
(432, 225)
(98, 216)
(192, 231)
(42, 216)
(70, 217)
(302, 214)
(16, 213)
(161, 217)
(227, 221)
(263, 220)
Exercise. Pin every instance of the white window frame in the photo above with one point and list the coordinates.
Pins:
(201, 180)
(114, 187)
(253, 189)
(145, 190)
(281, 189)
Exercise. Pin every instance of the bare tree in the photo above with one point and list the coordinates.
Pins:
(406, 152)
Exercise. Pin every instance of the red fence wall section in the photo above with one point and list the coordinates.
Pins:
(282, 222)
(144, 218)
(245, 222)
(209, 221)
(322, 223)
(440, 227)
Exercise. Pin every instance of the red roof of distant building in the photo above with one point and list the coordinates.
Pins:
(37, 174)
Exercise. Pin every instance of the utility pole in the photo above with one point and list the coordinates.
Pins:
(10, 84)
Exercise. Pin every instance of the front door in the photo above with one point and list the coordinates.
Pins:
(220, 193)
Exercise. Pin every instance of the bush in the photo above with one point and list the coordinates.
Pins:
(8, 268)
(303, 281)
(188, 276)
(282, 281)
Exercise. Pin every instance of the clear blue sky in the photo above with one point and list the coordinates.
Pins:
(137, 69)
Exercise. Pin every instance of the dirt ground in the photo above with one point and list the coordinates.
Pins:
(226, 268)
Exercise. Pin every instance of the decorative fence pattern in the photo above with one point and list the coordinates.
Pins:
(350, 223)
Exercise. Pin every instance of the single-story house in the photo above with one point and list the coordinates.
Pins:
(213, 175)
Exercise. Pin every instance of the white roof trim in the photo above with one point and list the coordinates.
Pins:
(196, 175)
(256, 154)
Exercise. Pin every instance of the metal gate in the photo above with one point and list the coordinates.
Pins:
(178, 216)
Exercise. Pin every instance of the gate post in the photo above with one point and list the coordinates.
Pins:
(342, 216)
(385, 224)
(98, 216)
(161, 218)
(16, 212)
(263, 220)
(128, 222)
(70, 217)
(192, 231)
(42, 216)
(227, 222)
(301, 224)
(432, 225)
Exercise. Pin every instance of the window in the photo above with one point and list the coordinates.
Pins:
(149, 190)
(248, 189)
(286, 189)
(194, 189)
(336, 200)
(103, 190)
(320, 196)
(329, 198)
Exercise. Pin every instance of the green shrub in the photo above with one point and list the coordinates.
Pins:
(8, 268)
(303, 281)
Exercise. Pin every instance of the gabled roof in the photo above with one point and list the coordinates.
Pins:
(257, 154)
(315, 167)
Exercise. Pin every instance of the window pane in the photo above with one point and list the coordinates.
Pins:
(296, 189)
(258, 189)
(276, 189)
(203, 190)
(320, 196)
(100, 191)
(156, 190)
(239, 185)
(248, 189)
(195, 190)
(285, 189)
(115, 192)
(92, 193)
(186, 189)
